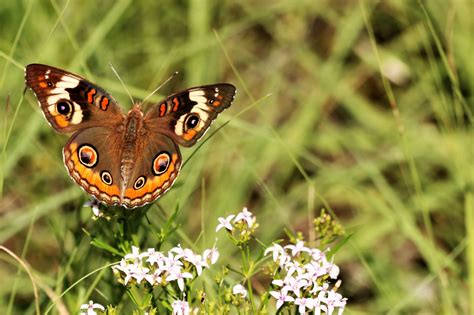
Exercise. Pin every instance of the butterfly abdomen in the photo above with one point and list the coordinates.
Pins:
(132, 130)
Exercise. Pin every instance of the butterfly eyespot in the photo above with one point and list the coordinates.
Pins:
(106, 178)
(161, 163)
(139, 183)
(87, 155)
(64, 107)
(192, 121)
(50, 84)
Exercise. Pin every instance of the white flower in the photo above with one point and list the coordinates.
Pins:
(246, 216)
(134, 255)
(239, 289)
(180, 308)
(276, 251)
(333, 300)
(94, 204)
(177, 275)
(211, 255)
(333, 271)
(314, 271)
(294, 285)
(90, 308)
(184, 253)
(281, 297)
(199, 263)
(125, 268)
(154, 257)
(171, 262)
(138, 272)
(293, 266)
(304, 303)
(298, 248)
(225, 223)
(317, 255)
(154, 278)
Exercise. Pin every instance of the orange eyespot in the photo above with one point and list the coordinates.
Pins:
(88, 155)
(161, 163)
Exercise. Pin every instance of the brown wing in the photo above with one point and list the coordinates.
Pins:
(154, 170)
(68, 101)
(92, 158)
(187, 115)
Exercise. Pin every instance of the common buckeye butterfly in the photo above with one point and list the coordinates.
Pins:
(128, 160)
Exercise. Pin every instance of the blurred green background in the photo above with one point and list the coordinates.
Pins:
(364, 108)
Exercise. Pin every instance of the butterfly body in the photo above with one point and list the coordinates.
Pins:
(131, 159)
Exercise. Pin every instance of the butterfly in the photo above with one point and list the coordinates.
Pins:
(123, 159)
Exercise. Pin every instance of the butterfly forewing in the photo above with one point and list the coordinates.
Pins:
(187, 115)
(69, 102)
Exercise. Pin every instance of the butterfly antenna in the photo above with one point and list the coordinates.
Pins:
(123, 84)
(159, 87)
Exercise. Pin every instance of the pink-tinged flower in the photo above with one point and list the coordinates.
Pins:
(179, 276)
(314, 271)
(298, 248)
(239, 289)
(184, 253)
(180, 308)
(154, 257)
(138, 272)
(245, 215)
(126, 268)
(303, 304)
(317, 255)
(225, 223)
(171, 262)
(281, 297)
(154, 278)
(294, 285)
(91, 308)
(332, 301)
(211, 255)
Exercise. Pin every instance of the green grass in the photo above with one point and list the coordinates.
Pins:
(362, 107)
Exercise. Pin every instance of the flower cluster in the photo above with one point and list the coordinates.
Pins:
(158, 268)
(301, 279)
(241, 226)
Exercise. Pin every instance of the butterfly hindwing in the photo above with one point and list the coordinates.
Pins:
(91, 158)
(161, 163)
(186, 116)
(68, 101)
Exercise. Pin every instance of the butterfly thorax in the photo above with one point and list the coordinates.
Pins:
(133, 129)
